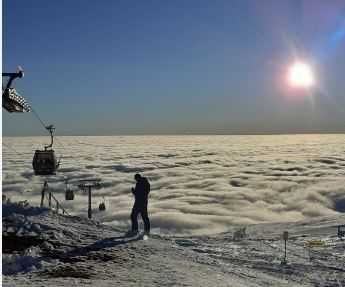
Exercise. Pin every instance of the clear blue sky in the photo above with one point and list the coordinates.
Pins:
(127, 67)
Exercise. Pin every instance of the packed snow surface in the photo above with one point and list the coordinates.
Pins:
(74, 251)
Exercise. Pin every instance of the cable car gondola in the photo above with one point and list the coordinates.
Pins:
(101, 206)
(69, 193)
(44, 161)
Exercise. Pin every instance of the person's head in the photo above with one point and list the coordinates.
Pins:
(137, 177)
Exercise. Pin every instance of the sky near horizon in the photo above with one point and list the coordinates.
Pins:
(168, 67)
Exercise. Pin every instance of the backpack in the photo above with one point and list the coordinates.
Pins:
(147, 185)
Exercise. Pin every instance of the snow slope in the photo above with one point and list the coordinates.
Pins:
(72, 251)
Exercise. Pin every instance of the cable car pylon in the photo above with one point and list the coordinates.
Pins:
(11, 100)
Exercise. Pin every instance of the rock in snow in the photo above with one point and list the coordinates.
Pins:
(42, 248)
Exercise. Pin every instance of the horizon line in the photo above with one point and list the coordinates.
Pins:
(186, 134)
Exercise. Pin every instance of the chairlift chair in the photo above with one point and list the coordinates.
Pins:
(44, 161)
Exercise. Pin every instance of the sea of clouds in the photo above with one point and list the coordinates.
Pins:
(200, 184)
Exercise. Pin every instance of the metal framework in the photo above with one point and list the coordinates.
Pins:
(87, 185)
(11, 100)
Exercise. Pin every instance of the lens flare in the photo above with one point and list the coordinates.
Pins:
(300, 75)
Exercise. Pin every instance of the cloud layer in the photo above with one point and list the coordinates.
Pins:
(200, 184)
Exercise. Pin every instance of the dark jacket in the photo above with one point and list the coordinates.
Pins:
(141, 191)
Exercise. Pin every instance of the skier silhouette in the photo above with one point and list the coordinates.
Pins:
(140, 192)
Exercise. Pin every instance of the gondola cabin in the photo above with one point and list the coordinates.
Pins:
(69, 194)
(101, 206)
(44, 162)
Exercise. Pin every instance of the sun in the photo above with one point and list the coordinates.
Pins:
(300, 75)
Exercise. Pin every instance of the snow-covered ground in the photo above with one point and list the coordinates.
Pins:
(73, 251)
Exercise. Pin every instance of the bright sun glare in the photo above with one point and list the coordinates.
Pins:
(300, 75)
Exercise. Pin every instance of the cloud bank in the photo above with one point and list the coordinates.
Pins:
(200, 184)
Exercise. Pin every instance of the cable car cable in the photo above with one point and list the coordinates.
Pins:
(43, 124)
(36, 114)
(44, 161)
